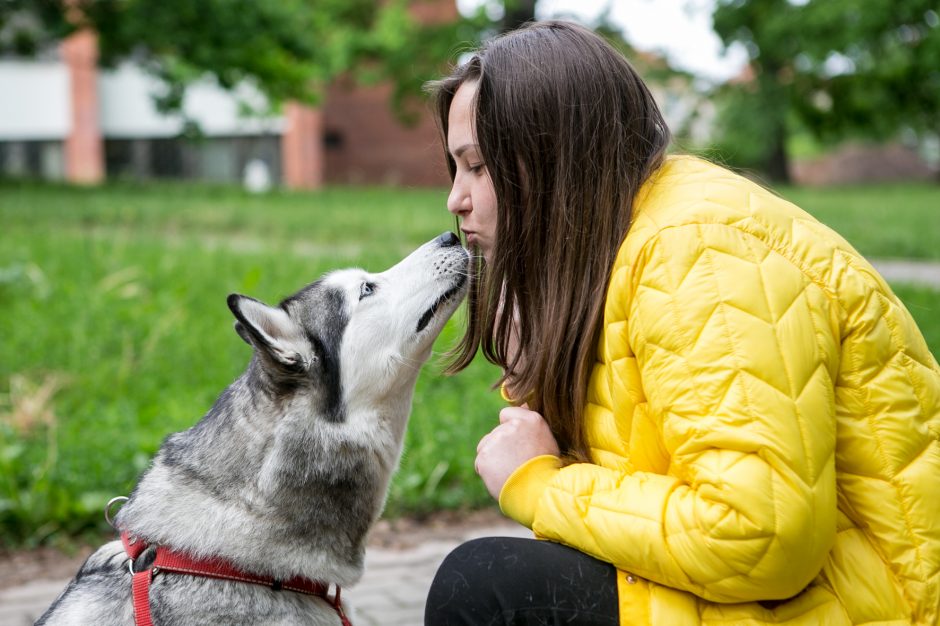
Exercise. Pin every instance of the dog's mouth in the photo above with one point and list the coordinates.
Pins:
(429, 314)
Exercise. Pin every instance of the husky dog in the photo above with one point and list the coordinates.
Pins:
(289, 469)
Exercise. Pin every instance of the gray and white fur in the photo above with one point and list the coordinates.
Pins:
(289, 469)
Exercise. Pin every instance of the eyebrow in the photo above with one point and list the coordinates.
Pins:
(464, 148)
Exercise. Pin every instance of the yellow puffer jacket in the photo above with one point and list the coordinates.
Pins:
(764, 421)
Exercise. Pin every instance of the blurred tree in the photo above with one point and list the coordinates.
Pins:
(517, 13)
(839, 68)
(290, 49)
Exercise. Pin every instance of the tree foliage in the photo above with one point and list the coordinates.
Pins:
(517, 13)
(289, 49)
(872, 68)
(839, 68)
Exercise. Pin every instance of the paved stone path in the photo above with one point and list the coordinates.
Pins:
(391, 593)
(925, 273)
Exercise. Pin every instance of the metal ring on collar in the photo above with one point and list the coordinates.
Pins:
(107, 509)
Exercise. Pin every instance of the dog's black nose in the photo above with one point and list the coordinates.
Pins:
(445, 240)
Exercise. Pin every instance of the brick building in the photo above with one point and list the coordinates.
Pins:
(62, 118)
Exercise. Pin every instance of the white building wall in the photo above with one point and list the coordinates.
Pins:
(128, 111)
(34, 101)
(35, 105)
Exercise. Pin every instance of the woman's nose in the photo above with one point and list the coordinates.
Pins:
(458, 201)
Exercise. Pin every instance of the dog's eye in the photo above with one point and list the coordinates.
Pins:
(366, 290)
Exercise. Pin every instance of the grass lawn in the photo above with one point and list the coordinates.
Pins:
(884, 221)
(114, 330)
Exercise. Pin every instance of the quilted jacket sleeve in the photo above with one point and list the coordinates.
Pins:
(737, 351)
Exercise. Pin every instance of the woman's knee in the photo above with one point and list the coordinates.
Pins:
(495, 580)
(464, 588)
(472, 566)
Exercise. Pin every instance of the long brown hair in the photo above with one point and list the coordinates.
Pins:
(568, 132)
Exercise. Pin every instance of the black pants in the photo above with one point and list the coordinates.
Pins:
(505, 580)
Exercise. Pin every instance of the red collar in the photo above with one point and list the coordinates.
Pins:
(170, 561)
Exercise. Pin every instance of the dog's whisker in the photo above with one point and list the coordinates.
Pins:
(416, 364)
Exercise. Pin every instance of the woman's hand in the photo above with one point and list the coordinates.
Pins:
(521, 435)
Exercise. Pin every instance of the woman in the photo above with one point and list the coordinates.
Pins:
(721, 413)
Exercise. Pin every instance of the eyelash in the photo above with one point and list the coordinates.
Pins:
(476, 168)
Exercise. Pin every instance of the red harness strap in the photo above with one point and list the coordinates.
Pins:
(168, 561)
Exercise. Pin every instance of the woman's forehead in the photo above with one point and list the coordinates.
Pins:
(460, 123)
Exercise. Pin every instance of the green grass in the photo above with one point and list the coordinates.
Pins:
(112, 304)
(119, 295)
(924, 306)
(885, 221)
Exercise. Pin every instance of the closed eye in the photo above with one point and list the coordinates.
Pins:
(366, 290)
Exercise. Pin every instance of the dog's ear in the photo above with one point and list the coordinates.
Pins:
(269, 330)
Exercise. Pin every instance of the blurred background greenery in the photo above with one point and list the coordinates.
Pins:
(116, 333)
